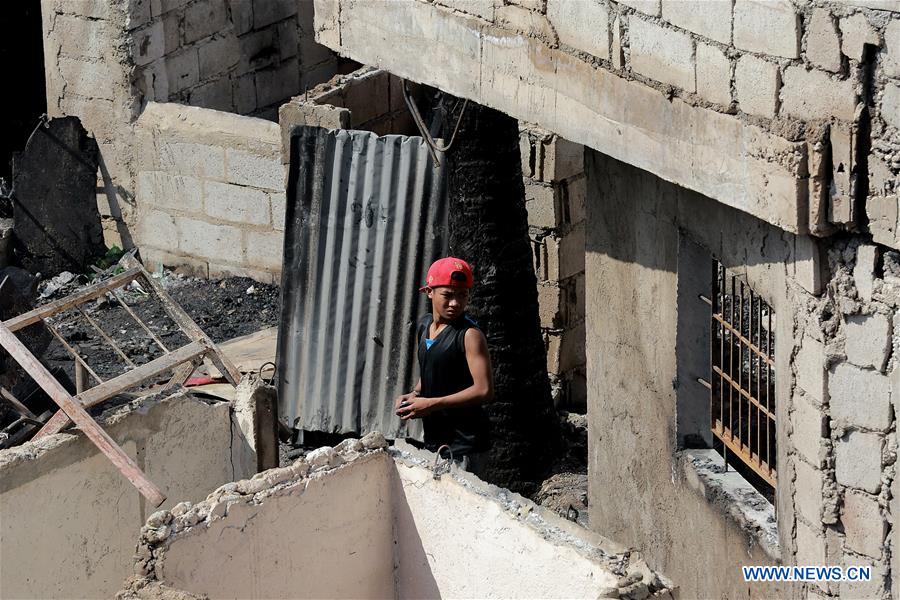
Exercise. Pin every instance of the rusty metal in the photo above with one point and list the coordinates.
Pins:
(742, 362)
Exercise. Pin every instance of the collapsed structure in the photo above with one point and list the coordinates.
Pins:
(730, 167)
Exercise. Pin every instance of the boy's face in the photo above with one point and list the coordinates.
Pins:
(449, 302)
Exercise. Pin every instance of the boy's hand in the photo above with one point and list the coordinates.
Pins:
(415, 407)
(402, 401)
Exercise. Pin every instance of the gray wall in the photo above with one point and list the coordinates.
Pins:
(639, 493)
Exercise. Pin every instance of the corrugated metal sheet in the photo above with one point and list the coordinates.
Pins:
(366, 216)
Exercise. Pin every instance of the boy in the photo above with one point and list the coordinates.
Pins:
(454, 367)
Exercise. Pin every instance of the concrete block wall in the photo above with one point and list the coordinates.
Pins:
(762, 105)
(553, 169)
(210, 192)
(844, 406)
(243, 56)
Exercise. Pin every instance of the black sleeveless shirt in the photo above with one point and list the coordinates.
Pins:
(444, 371)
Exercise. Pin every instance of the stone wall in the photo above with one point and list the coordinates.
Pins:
(844, 440)
(105, 61)
(70, 519)
(242, 56)
(210, 188)
(781, 110)
(553, 169)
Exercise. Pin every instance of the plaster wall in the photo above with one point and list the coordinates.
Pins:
(330, 538)
(69, 518)
(358, 521)
(761, 105)
(635, 222)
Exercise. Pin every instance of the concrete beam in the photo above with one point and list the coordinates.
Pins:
(718, 155)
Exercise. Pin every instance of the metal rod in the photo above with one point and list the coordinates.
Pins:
(768, 387)
(740, 373)
(721, 319)
(742, 392)
(72, 351)
(121, 300)
(720, 285)
(103, 334)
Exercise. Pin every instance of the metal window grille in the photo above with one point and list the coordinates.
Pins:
(742, 373)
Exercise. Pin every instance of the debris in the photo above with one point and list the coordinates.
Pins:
(51, 287)
(57, 223)
(251, 290)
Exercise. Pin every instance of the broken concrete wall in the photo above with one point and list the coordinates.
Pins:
(735, 101)
(669, 501)
(210, 192)
(70, 519)
(846, 377)
(105, 61)
(553, 169)
(355, 521)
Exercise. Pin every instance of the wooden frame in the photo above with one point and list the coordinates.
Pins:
(182, 361)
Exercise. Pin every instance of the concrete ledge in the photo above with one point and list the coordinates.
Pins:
(704, 471)
(716, 154)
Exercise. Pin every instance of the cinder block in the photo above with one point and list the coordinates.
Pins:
(709, 18)
(571, 349)
(157, 229)
(521, 20)
(221, 271)
(87, 78)
(890, 105)
(243, 90)
(810, 545)
(203, 19)
(542, 205)
(191, 267)
(549, 296)
(215, 95)
(868, 342)
(138, 13)
(266, 12)
(265, 249)
(756, 84)
(561, 159)
(237, 203)
(617, 56)
(823, 46)
(859, 398)
(183, 70)
(479, 8)
(873, 588)
(163, 190)
(259, 49)
(856, 31)
(202, 239)
(571, 249)
(279, 206)
(264, 172)
(159, 7)
(650, 7)
(581, 25)
(218, 55)
(287, 39)
(148, 44)
(172, 30)
(857, 461)
(808, 491)
(864, 270)
(713, 74)
(78, 36)
(891, 60)
(187, 158)
(93, 9)
(576, 199)
(808, 429)
(882, 213)
(864, 525)
(768, 27)
(241, 15)
(816, 95)
(809, 366)
(662, 54)
(552, 342)
(274, 86)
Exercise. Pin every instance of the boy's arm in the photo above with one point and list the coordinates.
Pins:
(481, 390)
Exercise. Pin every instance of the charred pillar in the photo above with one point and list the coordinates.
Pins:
(489, 228)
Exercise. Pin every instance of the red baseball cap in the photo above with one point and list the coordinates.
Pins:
(449, 272)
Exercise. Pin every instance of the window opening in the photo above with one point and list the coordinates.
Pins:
(742, 375)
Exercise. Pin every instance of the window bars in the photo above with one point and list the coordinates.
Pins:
(742, 373)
